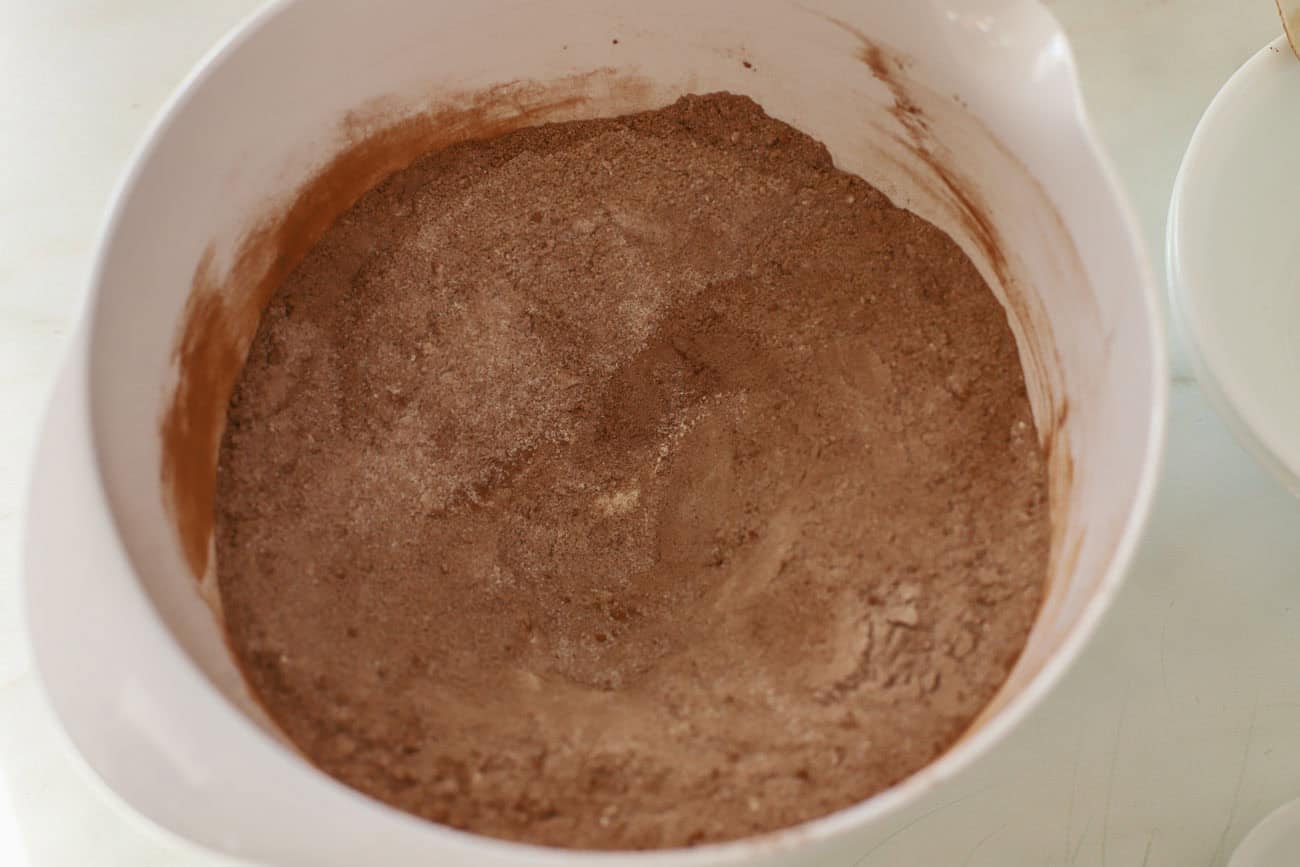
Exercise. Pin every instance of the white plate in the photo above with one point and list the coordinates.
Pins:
(1234, 255)
(1273, 842)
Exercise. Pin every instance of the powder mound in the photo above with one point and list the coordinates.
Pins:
(630, 483)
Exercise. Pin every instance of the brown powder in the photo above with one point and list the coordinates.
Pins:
(630, 483)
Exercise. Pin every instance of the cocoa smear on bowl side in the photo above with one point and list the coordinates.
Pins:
(225, 305)
(630, 483)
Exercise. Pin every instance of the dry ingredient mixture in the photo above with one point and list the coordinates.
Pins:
(630, 483)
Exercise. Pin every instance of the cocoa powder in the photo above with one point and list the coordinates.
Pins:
(630, 483)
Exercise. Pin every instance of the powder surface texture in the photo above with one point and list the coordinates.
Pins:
(631, 483)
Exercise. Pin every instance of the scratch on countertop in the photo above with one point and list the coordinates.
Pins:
(921, 818)
(1074, 785)
(970, 856)
(1110, 777)
(1146, 855)
(1164, 635)
(1236, 789)
(1078, 847)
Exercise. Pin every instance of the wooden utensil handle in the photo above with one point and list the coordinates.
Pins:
(1290, 12)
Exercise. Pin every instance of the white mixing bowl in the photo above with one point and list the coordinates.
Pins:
(966, 111)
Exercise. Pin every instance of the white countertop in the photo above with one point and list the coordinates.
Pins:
(1177, 731)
